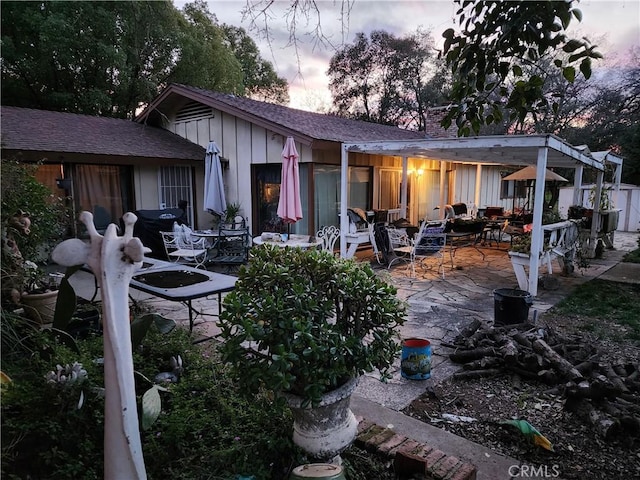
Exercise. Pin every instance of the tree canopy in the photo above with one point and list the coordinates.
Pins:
(387, 79)
(109, 58)
(500, 43)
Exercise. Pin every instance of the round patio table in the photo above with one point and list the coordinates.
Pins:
(299, 241)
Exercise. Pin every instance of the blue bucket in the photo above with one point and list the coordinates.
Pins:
(415, 363)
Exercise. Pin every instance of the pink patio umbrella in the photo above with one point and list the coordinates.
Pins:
(289, 206)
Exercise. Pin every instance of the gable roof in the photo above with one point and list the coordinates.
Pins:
(309, 128)
(38, 133)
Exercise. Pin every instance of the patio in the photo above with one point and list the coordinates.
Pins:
(438, 309)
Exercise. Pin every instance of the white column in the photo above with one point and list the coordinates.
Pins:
(537, 235)
(476, 198)
(577, 185)
(443, 176)
(344, 198)
(403, 190)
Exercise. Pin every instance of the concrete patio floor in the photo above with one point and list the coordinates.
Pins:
(437, 308)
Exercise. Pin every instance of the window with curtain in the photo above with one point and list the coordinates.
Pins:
(104, 190)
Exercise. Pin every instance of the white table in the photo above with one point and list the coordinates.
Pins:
(299, 241)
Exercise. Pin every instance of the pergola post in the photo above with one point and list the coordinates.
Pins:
(344, 196)
(403, 188)
(537, 235)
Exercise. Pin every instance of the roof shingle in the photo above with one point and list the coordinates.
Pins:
(318, 126)
(42, 130)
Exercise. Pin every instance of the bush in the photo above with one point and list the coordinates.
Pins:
(206, 427)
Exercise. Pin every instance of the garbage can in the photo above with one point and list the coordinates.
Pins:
(511, 305)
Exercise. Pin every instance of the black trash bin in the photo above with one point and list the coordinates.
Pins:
(511, 305)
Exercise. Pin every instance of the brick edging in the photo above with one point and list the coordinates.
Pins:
(411, 457)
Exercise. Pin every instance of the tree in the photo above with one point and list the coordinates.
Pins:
(101, 58)
(109, 58)
(259, 78)
(496, 40)
(386, 79)
(205, 60)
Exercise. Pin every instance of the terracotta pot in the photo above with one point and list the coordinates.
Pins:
(326, 430)
(40, 307)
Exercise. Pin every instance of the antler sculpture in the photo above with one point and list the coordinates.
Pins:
(113, 261)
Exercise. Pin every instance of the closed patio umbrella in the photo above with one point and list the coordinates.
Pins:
(214, 198)
(289, 205)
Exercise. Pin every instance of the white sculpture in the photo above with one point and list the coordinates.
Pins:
(113, 261)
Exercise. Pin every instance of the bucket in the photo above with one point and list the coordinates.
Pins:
(511, 306)
(325, 471)
(415, 363)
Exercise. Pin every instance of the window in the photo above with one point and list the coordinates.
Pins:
(176, 186)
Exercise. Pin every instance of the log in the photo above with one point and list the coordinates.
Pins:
(560, 364)
(613, 377)
(509, 351)
(464, 356)
(605, 426)
(467, 331)
(522, 339)
(484, 362)
(474, 374)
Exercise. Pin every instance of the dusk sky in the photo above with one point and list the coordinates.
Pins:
(613, 25)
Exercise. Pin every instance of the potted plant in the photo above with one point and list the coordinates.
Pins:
(306, 325)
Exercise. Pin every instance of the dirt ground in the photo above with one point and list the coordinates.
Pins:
(578, 451)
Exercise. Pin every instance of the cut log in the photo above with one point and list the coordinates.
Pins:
(604, 425)
(522, 339)
(560, 364)
(484, 362)
(474, 374)
(464, 356)
(613, 377)
(467, 331)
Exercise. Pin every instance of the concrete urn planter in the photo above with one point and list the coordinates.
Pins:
(40, 307)
(327, 429)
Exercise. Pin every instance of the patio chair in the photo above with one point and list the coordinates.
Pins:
(232, 247)
(181, 247)
(329, 235)
(399, 244)
(430, 242)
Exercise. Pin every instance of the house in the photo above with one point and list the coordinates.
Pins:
(343, 163)
(108, 166)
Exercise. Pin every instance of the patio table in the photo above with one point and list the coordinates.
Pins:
(179, 283)
(299, 241)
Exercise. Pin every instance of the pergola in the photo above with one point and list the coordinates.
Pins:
(543, 151)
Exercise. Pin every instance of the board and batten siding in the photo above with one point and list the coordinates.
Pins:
(242, 144)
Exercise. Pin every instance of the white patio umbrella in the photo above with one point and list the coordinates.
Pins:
(214, 198)
(529, 173)
(289, 205)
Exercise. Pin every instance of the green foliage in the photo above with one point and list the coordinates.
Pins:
(49, 221)
(484, 63)
(386, 79)
(305, 322)
(206, 427)
(49, 217)
(109, 58)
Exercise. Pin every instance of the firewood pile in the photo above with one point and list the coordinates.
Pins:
(604, 394)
